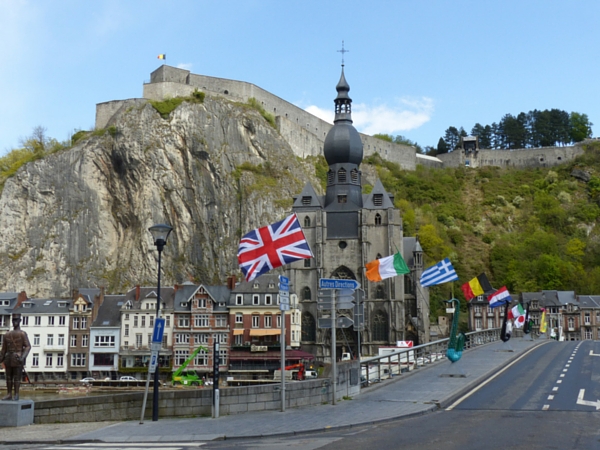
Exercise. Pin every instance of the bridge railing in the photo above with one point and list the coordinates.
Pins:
(378, 368)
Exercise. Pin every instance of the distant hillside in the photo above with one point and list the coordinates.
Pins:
(528, 229)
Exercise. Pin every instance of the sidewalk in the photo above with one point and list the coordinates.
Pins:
(418, 392)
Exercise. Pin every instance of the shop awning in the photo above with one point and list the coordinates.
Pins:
(237, 331)
(264, 332)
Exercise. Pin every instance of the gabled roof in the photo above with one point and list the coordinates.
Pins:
(183, 296)
(11, 297)
(44, 306)
(308, 198)
(109, 313)
(384, 199)
(589, 301)
(89, 294)
(220, 294)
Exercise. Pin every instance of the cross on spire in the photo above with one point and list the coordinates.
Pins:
(342, 51)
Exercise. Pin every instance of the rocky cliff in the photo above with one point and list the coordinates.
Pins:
(79, 218)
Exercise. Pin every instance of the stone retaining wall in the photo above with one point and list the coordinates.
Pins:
(198, 402)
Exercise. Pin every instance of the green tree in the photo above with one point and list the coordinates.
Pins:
(581, 127)
(442, 147)
(452, 138)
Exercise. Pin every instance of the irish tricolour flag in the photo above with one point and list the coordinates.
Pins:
(390, 266)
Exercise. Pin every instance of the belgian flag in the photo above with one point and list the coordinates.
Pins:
(162, 56)
(477, 286)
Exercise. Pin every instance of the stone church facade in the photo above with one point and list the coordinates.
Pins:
(346, 229)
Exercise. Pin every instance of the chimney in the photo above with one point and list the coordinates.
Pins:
(138, 292)
(75, 294)
(231, 280)
(21, 297)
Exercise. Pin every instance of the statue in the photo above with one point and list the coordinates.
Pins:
(456, 344)
(15, 348)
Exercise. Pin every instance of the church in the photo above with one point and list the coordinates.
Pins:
(346, 229)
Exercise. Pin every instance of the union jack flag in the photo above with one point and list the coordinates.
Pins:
(275, 245)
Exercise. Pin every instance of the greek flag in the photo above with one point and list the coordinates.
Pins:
(442, 272)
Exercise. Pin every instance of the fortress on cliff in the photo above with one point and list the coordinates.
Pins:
(306, 133)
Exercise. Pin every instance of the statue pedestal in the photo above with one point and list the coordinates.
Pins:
(16, 413)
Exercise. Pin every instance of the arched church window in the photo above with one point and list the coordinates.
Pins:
(379, 292)
(379, 326)
(342, 175)
(309, 329)
(377, 219)
(330, 177)
(306, 293)
(354, 176)
(306, 221)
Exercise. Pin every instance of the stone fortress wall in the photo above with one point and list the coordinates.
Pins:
(306, 133)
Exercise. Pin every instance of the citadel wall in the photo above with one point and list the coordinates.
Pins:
(306, 133)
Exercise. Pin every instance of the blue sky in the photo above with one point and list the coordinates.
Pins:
(414, 67)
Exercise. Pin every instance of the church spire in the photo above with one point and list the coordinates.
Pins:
(343, 102)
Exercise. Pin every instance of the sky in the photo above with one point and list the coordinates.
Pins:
(414, 67)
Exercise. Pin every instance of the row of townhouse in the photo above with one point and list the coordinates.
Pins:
(104, 336)
(569, 316)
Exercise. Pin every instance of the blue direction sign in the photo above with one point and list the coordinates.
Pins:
(334, 283)
(159, 330)
(284, 283)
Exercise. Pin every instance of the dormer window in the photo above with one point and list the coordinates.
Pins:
(271, 285)
(330, 177)
(255, 286)
(354, 176)
(27, 305)
(378, 199)
(306, 201)
(342, 175)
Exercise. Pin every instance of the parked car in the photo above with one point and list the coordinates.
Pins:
(128, 378)
(310, 374)
(87, 379)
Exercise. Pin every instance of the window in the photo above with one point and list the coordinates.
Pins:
(268, 321)
(239, 339)
(138, 340)
(149, 339)
(62, 320)
(135, 321)
(50, 341)
(201, 338)
(221, 338)
(306, 218)
(477, 309)
(50, 321)
(309, 328)
(143, 321)
(330, 176)
(104, 341)
(307, 262)
(168, 322)
(201, 358)
(490, 323)
(35, 362)
(571, 323)
(223, 357)
(37, 320)
(182, 338)
(239, 318)
(126, 332)
(342, 175)
(103, 359)
(201, 320)
(268, 299)
(183, 321)
(377, 219)
(278, 320)
(84, 323)
(306, 293)
(379, 292)
(221, 320)
(85, 339)
(201, 303)
(342, 198)
(76, 323)
(181, 356)
(151, 320)
(379, 325)
(60, 359)
(25, 320)
(239, 299)
(73, 340)
(255, 300)
(378, 199)
(78, 359)
(49, 359)
(354, 176)
(478, 323)
(127, 316)
(587, 318)
(36, 340)
(61, 340)
(255, 321)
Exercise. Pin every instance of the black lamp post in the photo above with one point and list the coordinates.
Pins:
(160, 233)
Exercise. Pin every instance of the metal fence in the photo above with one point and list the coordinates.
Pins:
(375, 369)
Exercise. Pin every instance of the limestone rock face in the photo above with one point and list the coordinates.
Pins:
(80, 217)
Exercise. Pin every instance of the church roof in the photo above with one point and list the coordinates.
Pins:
(378, 198)
(308, 198)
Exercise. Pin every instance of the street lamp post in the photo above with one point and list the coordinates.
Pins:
(160, 233)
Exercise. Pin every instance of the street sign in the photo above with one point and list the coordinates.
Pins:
(159, 330)
(284, 307)
(340, 322)
(334, 283)
(284, 296)
(284, 283)
(153, 362)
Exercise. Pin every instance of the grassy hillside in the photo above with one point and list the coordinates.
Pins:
(528, 229)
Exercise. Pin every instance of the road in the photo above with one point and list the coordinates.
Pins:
(547, 399)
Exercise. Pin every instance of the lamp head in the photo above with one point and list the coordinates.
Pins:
(160, 233)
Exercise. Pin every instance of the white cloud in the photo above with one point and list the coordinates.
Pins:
(324, 114)
(407, 114)
(185, 66)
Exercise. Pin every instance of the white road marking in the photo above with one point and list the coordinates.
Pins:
(581, 401)
(559, 381)
(551, 397)
(472, 391)
(555, 388)
(545, 407)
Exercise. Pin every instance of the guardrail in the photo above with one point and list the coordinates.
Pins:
(375, 369)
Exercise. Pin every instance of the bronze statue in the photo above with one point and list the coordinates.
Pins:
(15, 348)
